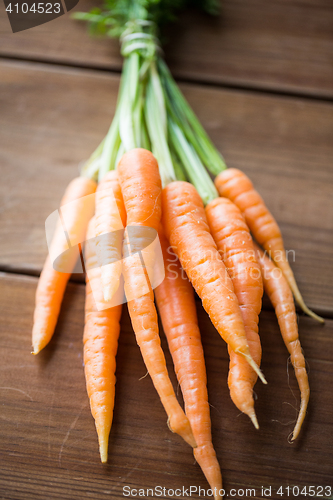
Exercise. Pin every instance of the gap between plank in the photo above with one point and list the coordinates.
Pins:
(236, 87)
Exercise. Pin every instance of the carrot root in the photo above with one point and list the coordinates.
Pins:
(52, 283)
(235, 185)
(176, 303)
(301, 417)
(103, 441)
(141, 189)
(281, 296)
(254, 420)
(286, 270)
(100, 345)
(187, 230)
(212, 475)
(303, 306)
(110, 219)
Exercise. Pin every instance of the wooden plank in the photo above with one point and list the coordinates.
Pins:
(57, 126)
(284, 46)
(52, 119)
(48, 444)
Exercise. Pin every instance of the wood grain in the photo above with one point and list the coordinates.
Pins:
(52, 119)
(48, 443)
(284, 46)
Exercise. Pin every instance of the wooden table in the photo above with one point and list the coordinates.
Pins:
(260, 79)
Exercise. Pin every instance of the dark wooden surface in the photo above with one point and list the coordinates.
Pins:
(48, 440)
(51, 119)
(278, 45)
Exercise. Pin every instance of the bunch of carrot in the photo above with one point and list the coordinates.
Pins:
(204, 231)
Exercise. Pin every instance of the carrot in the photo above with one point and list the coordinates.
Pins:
(176, 305)
(186, 228)
(141, 187)
(52, 282)
(100, 339)
(278, 290)
(235, 245)
(235, 185)
(110, 219)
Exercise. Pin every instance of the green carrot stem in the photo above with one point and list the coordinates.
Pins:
(126, 104)
(154, 108)
(91, 170)
(91, 166)
(177, 164)
(111, 145)
(189, 123)
(121, 151)
(195, 170)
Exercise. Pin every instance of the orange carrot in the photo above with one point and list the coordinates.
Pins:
(101, 332)
(235, 185)
(278, 290)
(110, 219)
(52, 283)
(176, 305)
(141, 187)
(186, 227)
(235, 245)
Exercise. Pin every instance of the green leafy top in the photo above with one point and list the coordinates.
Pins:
(151, 110)
(117, 16)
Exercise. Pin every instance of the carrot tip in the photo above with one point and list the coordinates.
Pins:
(303, 306)
(296, 432)
(103, 450)
(313, 315)
(254, 420)
(253, 365)
(300, 419)
(186, 434)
